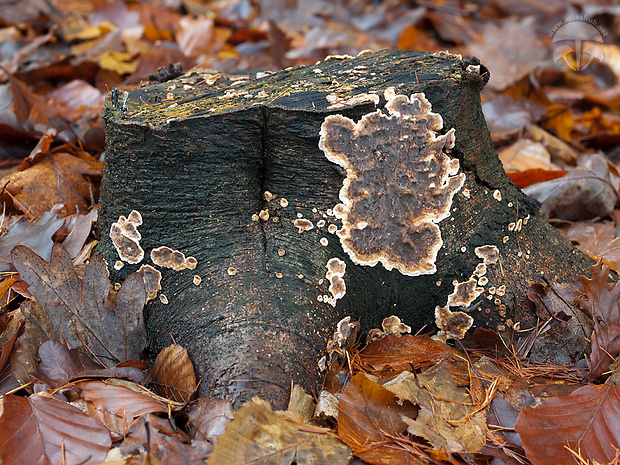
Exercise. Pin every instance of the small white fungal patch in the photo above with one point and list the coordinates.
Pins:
(497, 195)
(197, 280)
(118, 265)
(324, 241)
(163, 299)
(283, 202)
(231, 271)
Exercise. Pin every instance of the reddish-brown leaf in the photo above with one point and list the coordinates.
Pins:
(173, 374)
(602, 305)
(368, 415)
(587, 420)
(400, 353)
(41, 430)
(59, 365)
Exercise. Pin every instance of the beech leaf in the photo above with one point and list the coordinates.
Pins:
(173, 374)
(41, 430)
(586, 421)
(602, 306)
(367, 413)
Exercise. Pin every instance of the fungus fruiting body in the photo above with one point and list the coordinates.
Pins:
(126, 238)
(303, 224)
(152, 281)
(335, 272)
(168, 258)
(399, 184)
(453, 325)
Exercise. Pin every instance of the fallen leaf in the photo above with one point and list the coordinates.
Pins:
(448, 417)
(528, 177)
(60, 365)
(259, 435)
(511, 49)
(603, 306)
(78, 309)
(598, 240)
(368, 415)
(208, 417)
(173, 374)
(565, 339)
(404, 352)
(585, 192)
(117, 406)
(586, 421)
(59, 178)
(43, 430)
(157, 441)
(37, 236)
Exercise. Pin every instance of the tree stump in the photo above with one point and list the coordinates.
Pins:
(228, 169)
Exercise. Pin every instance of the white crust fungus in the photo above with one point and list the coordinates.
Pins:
(152, 281)
(453, 325)
(126, 238)
(465, 293)
(400, 182)
(303, 224)
(168, 258)
(488, 253)
(335, 273)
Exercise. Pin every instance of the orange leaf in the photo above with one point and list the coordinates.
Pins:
(526, 178)
(586, 421)
(403, 352)
(58, 178)
(368, 415)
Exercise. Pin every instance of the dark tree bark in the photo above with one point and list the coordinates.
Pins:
(194, 157)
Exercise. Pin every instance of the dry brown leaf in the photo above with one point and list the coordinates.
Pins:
(448, 417)
(368, 415)
(154, 440)
(585, 192)
(42, 430)
(586, 421)
(173, 374)
(404, 352)
(598, 240)
(260, 435)
(78, 310)
(58, 178)
(59, 365)
(511, 49)
(117, 406)
(36, 235)
(208, 417)
(565, 340)
(603, 306)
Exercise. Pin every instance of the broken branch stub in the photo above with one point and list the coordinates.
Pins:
(399, 185)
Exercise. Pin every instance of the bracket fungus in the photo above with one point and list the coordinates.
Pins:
(400, 183)
(126, 238)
